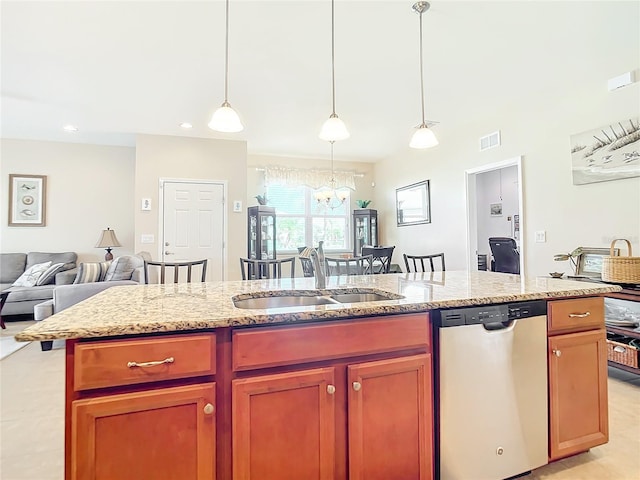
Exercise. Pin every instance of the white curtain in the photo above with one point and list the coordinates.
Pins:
(315, 179)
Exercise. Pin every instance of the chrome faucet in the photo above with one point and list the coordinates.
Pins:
(319, 269)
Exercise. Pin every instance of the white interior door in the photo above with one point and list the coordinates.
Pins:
(194, 224)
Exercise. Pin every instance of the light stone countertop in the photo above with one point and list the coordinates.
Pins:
(139, 309)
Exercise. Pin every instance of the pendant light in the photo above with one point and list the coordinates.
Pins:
(331, 197)
(225, 119)
(423, 137)
(333, 129)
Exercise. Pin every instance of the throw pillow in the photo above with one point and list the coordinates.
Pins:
(31, 275)
(122, 268)
(92, 272)
(49, 275)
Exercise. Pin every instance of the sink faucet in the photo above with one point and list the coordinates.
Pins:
(319, 269)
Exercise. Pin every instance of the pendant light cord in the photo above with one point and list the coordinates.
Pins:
(226, 56)
(333, 61)
(421, 74)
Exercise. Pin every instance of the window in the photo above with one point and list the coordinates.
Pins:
(301, 221)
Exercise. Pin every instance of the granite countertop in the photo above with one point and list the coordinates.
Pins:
(139, 309)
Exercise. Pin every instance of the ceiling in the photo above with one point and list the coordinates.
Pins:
(115, 69)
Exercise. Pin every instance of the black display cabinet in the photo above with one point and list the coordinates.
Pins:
(365, 229)
(261, 232)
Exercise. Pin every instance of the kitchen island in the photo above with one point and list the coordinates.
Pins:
(175, 381)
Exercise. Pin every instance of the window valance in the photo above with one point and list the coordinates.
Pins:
(275, 175)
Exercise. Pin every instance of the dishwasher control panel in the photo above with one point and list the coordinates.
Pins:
(503, 312)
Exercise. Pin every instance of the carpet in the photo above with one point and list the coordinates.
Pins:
(8, 346)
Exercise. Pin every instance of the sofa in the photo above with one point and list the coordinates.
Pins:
(21, 300)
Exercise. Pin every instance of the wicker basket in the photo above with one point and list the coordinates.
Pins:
(621, 269)
(622, 353)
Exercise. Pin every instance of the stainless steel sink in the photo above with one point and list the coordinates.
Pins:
(311, 298)
(283, 301)
(359, 297)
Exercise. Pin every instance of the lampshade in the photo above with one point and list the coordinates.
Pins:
(423, 137)
(334, 129)
(225, 119)
(108, 239)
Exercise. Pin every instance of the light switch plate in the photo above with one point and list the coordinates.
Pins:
(541, 236)
(146, 204)
(237, 206)
(147, 238)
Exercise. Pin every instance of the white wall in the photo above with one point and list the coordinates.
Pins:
(89, 188)
(171, 157)
(496, 186)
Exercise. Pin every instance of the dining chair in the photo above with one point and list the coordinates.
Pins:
(362, 265)
(381, 257)
(419, 260)
(257, 269)
(177, 267)
(307, 264)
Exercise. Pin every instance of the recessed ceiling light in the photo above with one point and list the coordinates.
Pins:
(186, 125)
(70, 128)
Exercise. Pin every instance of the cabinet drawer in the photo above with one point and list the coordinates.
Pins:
(272, 346)
(576, 315)
(124, 362)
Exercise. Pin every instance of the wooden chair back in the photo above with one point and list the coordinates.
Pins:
(177, 268)
(381, 257)
(362, 265)
(256, 269)
(419, 260)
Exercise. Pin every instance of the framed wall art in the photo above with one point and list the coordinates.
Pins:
(413, 204)
(607, 153)
(589, 262)
(27, 200)
(495, 209)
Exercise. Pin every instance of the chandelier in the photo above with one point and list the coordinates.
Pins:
(331, 197)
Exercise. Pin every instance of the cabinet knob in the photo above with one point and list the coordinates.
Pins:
(357, 386)
(208, 409)
(557, 353)
(331, 389)
(168, 252)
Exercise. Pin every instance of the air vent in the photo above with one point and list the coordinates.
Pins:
(490, 141)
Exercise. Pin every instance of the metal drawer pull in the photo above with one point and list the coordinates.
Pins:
(619, 349)
(208, 409)
(579, 315)
(331, 389)
(357, 386)
(557, 353)
(150, 364)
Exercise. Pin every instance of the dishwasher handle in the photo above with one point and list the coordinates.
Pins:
(498, 325)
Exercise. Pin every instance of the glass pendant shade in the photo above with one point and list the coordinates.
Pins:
(423, 137)
(225, 119)
(334, 129)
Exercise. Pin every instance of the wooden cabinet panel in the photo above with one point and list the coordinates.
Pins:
(106, 363)
(162, 434)
(284, 426)
(576, 315)
(390, 419)
(578, 417)
(266, 347)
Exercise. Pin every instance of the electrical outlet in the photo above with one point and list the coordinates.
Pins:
(541, 236)
(237, 206)
(147, 238)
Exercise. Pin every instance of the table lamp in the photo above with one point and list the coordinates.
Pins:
(108, 240)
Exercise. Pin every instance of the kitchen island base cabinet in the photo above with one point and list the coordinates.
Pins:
(390, 427)
(578, 417)
(159, 434)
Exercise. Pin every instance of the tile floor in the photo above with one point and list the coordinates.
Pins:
(32, 422)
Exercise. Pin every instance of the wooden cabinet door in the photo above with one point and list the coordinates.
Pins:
(578, 417)
(155, 435)
(284, 426)
(390, 419)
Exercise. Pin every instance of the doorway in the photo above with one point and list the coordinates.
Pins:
(494, 209)
(193, 223)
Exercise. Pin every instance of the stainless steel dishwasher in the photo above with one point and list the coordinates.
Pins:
(491, 410)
